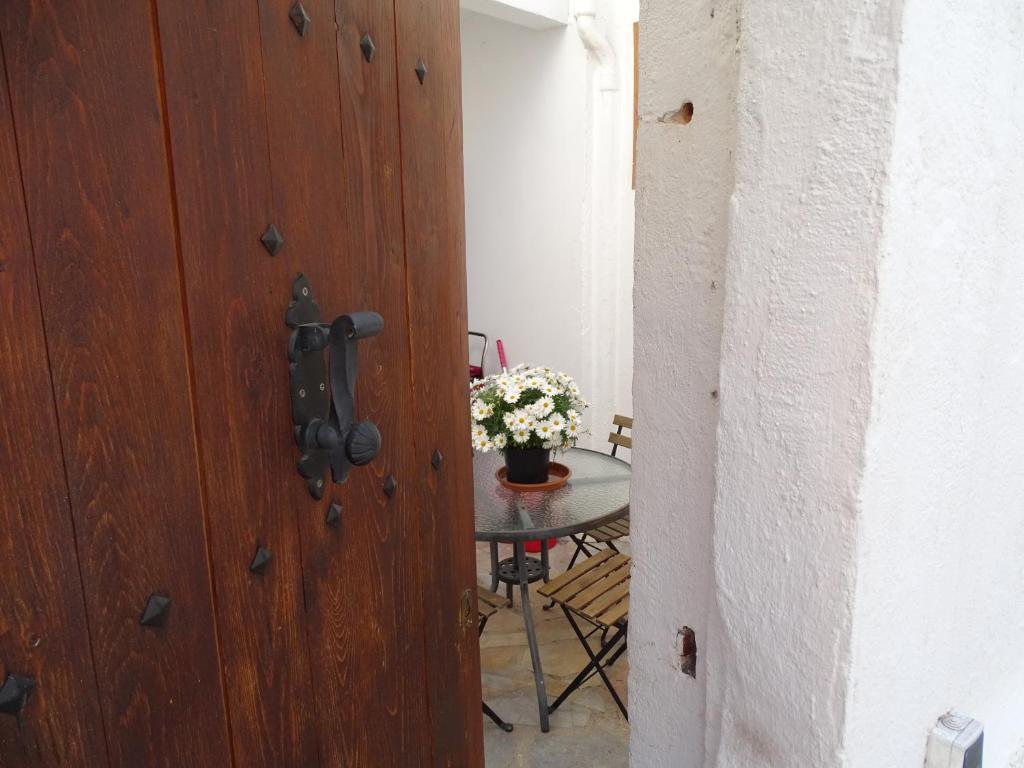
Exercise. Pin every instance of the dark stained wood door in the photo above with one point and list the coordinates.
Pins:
(145, 417)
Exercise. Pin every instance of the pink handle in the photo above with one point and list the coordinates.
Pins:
(501, 356)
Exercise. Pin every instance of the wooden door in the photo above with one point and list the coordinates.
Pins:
(145, 421)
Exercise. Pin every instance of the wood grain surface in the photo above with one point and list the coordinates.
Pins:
(43, 629)
(432, 174)
(146, 424)
(86, 105)
(236, 295)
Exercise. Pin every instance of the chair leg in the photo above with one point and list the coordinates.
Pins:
(615, 656)
(581, 546)
(506, 727)
(593, 665)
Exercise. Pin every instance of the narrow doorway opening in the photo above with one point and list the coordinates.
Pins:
(549, 132)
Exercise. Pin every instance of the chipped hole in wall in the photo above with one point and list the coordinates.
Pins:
(686, 643)
(683, 115)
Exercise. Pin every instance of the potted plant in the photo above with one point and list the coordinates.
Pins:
(526, 413)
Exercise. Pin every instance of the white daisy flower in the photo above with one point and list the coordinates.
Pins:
(480, 442)
(487, 446)
(500, 441)
(521, 434)
(479, 431)
(543, 407)
(509, 419)
(513, 394)
(572, 414)
(557, 421)
(481, 410)
(572, 430)
(550, 389)
(545, 430)
(522, 418)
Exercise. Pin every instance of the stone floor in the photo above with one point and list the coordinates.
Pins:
(587, 730)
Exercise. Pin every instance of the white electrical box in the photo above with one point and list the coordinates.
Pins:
(956, 741)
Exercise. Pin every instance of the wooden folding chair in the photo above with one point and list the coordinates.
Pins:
(488, 604)
(597, 591)
(588, 541)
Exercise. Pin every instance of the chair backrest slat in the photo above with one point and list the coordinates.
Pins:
(616, 438)
(625, 441)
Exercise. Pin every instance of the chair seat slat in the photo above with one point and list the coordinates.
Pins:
(614, 614)
(611, 596)
(598, 587)
(560, 581)
(610, 532)
(488, 602)
(586, 579)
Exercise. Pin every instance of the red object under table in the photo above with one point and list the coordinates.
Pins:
(534, 546)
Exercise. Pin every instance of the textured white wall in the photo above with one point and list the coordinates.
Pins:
(815, 107)
(549, 214)
(684, 178)
(939, 618)
(865, 573)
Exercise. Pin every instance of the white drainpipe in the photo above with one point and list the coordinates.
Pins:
(602, 217)
(597, 45)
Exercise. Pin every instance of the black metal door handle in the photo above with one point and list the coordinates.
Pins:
(324, 418)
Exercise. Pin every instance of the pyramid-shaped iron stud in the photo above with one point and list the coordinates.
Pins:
(155, 612)
(260, 560)
(436, 460)
(14, 694)
(300, 19)
(367, 47)
(390, 485)
(421, 70)
(272, 240)
(333, 515)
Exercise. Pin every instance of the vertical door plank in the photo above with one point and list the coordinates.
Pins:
(337, 190)
(88, 116)
(431, 125)
(237, 294)
(42, 613)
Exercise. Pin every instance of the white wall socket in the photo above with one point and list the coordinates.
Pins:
(956, 741)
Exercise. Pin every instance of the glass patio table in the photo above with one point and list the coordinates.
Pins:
(597, 493)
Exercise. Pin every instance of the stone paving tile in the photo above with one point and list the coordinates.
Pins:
(587, 730)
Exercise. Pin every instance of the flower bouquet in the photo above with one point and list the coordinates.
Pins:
(526, 413)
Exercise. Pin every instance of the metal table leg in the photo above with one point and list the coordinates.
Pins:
(494, 566)
(531, 636)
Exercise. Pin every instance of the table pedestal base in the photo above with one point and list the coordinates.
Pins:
(507, 571)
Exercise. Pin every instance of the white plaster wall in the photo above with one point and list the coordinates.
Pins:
(684, 179)
(549, 204)
(858, 570)
(815, 106)
(939, 619)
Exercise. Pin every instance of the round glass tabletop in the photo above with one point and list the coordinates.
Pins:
(597, 493)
